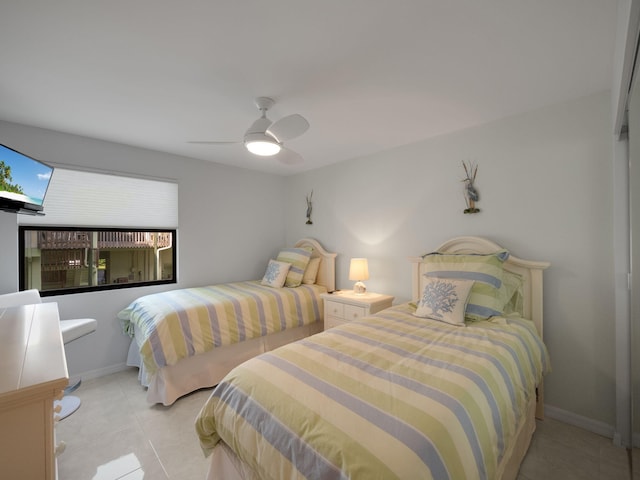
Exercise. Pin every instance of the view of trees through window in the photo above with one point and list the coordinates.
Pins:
(59, 260)
(6, 179)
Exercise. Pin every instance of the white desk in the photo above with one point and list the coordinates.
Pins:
(33, 372)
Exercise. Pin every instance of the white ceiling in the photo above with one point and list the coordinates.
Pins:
(368, 75)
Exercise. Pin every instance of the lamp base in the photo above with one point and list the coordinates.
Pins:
(359, 288)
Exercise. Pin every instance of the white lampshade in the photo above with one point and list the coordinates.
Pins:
(359, 270)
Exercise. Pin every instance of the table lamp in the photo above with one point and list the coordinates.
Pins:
(358, 271)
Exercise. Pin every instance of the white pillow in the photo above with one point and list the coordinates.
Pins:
(276, 274)
(444, 299)
(311, 272)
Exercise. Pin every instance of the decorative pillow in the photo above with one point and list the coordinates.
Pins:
(444, 299)
(276, 274)
(311, 272)
(486, 299)
(512, 293)
(298, 258)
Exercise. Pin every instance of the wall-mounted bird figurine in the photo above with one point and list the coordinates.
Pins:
(471, 195)
(309, 208)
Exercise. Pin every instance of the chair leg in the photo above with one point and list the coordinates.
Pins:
(69, 403)
(72, 387)
(72, 330)
(66, 406)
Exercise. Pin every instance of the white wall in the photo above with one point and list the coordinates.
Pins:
(545, 183)
(545, 180)
(230, 223)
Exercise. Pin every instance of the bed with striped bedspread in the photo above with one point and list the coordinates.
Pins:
(173, 325)
(388, 396)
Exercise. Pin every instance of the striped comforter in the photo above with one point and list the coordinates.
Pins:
(181, 323)
(388, 396)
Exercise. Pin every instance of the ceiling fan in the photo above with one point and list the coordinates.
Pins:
(266, 138)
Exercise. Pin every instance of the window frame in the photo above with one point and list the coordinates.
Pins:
(92, 288)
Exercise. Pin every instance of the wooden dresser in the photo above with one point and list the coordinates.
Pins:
(33, 372)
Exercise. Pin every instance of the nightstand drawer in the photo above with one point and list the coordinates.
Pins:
(351, 312)
(344, 307)
(331, 322)
(334, 309)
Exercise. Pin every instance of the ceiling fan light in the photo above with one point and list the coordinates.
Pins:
(263, 145)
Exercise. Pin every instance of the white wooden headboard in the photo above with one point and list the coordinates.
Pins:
(327, 270)
(530, 271)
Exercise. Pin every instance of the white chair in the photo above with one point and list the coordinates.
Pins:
(71, 330)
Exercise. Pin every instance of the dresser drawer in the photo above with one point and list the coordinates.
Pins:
(334, 309)
(351, 312)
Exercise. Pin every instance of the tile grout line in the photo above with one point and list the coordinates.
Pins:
(141, 427)
(158, 457)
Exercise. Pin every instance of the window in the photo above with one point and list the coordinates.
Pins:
(100, 231)
(69, 260)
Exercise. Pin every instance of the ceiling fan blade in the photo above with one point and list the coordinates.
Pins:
(289, 157)
(288, 127)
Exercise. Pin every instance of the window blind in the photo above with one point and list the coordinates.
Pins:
(78, 198)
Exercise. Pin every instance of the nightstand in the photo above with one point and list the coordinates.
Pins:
(343, 306)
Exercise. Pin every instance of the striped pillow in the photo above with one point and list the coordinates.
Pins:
(298, 258)
(486, 299)
(513, 296)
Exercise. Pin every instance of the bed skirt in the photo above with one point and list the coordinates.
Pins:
(206, 370)
(225, 465)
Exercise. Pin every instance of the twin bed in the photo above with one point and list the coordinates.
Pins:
(419, 390)
(395, 395)
(188, 339)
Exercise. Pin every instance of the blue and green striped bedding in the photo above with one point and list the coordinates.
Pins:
(176, 324)
(388, 396)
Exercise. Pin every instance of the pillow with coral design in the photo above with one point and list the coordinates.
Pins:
(276, 274)
(444, 299)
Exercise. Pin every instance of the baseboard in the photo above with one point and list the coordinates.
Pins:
(617, 439)
(576, 420)
(101, 372)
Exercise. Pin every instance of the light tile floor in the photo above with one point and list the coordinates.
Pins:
(116, 435)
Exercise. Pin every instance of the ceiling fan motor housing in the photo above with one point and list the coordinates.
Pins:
(266, 138)
(258, 141)
(259, 126)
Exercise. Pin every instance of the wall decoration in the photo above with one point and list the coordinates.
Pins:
(470, 193)
(309, 208)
